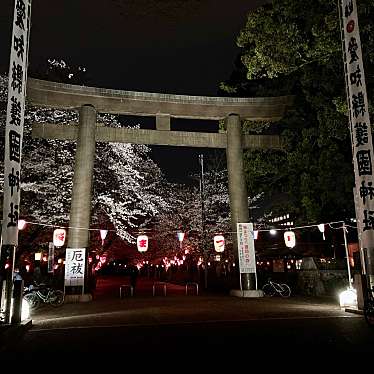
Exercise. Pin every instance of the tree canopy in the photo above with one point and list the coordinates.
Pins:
(128, 186)
(294, 47)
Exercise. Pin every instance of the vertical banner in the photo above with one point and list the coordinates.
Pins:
(15, 119)
(74, 266)
(51, 257)
(362, 147)
(246, 248)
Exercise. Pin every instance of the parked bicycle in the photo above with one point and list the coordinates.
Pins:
(37, 294)
(272, 288)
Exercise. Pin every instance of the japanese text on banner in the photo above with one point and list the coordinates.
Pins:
(75, 266)
(246, 248)
(15, 120)
(362, 146)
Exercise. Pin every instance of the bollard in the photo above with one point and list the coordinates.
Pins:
(17, 301)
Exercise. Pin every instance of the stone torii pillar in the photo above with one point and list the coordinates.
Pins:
(237, 187)
(80, 210)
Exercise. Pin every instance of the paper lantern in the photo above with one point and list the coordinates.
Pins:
(59, 236)
(321, 228)
(103, 234)
(21, 224)
(219, 243)
(142, 243)
(180, 236)
(289, 239)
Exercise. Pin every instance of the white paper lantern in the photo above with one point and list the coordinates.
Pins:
(321, 228)
(59, 236)
(290, 239)
(142, 243)
(21, 224)
(180, 236)
(103, 234)
(219, 243)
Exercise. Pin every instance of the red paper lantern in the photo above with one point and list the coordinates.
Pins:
(59, 236)
(142, 243)
(219, 243)
(290, 239)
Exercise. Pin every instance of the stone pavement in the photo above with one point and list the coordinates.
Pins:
(107, 308)
(144, 309)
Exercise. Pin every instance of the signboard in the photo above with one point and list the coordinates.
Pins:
(15, 120)
(246, 248)
(362, 147)
(51, 257)
(74, 266)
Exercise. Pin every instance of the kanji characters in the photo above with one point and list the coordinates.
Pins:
(14, 146)
(364, 163)
(21, 14)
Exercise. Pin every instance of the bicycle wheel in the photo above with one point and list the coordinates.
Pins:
(268, 290)
(56, 298)
(369, 314)
(285, 290)
(33, 300)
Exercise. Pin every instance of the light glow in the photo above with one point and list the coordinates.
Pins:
(25, 309)
(348, 298)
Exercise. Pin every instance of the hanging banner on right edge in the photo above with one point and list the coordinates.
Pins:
(362, 147)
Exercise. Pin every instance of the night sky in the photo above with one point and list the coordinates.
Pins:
(167, 46)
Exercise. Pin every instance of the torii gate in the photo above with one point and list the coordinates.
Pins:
(91, 100)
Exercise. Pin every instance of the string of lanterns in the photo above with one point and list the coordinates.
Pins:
(59, 234)
(219, 240)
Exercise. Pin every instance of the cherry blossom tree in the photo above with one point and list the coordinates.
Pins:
(127, 182)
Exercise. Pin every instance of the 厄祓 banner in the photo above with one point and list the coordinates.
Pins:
(15, 119)
(75, 261)
(362, 146)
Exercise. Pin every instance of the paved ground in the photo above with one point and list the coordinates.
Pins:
(152, 324)
(143, 308)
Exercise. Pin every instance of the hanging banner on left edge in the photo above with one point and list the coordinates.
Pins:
(15, 119)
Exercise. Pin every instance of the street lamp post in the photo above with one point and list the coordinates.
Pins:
(347, 256)
(205, 254)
